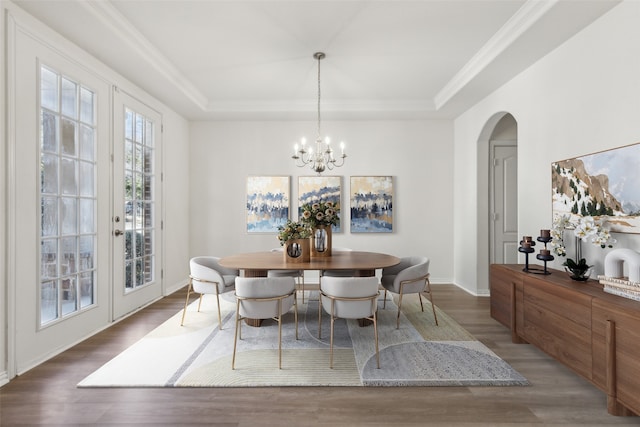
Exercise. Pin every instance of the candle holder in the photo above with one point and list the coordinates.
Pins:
(545, 256)
(526, 247)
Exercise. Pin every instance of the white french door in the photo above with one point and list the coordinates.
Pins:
(137, 219)
(59, 268)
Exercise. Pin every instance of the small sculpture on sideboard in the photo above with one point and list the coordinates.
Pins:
(614, 280)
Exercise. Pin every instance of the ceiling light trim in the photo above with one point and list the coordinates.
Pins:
(530, 13)
(127, 32)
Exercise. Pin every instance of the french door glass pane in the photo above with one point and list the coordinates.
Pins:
(86, 143)
(68, 196)
(68, 176)
(86, 106)
(49, 171)
(138, 199)
(49, 89)
(69, 215)
(69, 98)
(49, 132)
(68, 137)
(49, 259)
(86, 175)
(48, 301)
(49, 217)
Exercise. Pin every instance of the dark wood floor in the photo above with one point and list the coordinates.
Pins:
(47, 395)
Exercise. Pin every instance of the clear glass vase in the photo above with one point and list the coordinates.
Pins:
(580, 276)
(321, 241)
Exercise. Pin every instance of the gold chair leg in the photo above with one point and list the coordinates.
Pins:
(219, 315)
(280, 334)
(295, 312)
(235, 338)
(302, 281)
(186, 303)
(200, 302)
(320, 315)
(375, 331)
(433, 307)
(420, 298)
(331, 344)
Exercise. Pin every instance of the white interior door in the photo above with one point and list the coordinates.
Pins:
(59, 200)
(137, 219)
(504, 230)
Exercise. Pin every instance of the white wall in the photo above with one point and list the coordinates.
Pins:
(3, 209)
(417, 154)
(582, 98)
(176, 201)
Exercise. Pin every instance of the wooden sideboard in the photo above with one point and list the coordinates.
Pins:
(594, 333)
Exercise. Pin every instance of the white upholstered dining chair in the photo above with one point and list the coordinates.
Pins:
(349, 298)
(209, 277)
(264, 298)
(338, 273)
(296, 274)
(410, 276)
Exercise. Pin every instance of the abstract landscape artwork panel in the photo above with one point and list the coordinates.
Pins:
(371, 204)
(603, 185)
(313, 189)
(267, 203)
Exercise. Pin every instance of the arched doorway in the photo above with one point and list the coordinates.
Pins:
(497, 196)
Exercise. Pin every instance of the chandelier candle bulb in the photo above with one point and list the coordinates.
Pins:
(545, 233)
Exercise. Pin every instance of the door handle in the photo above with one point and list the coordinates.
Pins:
(118, 233)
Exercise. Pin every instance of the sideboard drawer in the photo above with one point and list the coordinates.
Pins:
(558, 321)
(502, 281)
(627, 349)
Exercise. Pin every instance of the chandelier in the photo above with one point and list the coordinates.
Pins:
(322, 158)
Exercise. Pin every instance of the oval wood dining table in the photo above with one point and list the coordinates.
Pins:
(257, 264)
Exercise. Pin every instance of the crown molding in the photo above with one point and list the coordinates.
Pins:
(509, 33)
(137, 42)
(328, 106)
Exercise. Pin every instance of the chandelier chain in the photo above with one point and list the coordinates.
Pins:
(319, 132)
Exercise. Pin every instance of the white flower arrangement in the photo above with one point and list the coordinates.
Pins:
(586, 229)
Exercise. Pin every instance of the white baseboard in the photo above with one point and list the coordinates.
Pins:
(4, 378)
(176, 287)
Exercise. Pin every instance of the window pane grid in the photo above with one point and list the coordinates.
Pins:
(138, 199)
(68, 197)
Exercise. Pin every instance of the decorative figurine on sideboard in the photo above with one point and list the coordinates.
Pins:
(526, 247)
(613, 278)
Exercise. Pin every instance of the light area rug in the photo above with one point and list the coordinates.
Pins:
(198, 354)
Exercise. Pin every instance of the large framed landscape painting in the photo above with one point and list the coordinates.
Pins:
(603, 185)
(313, 189)
(268, 199)
(371, 204)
